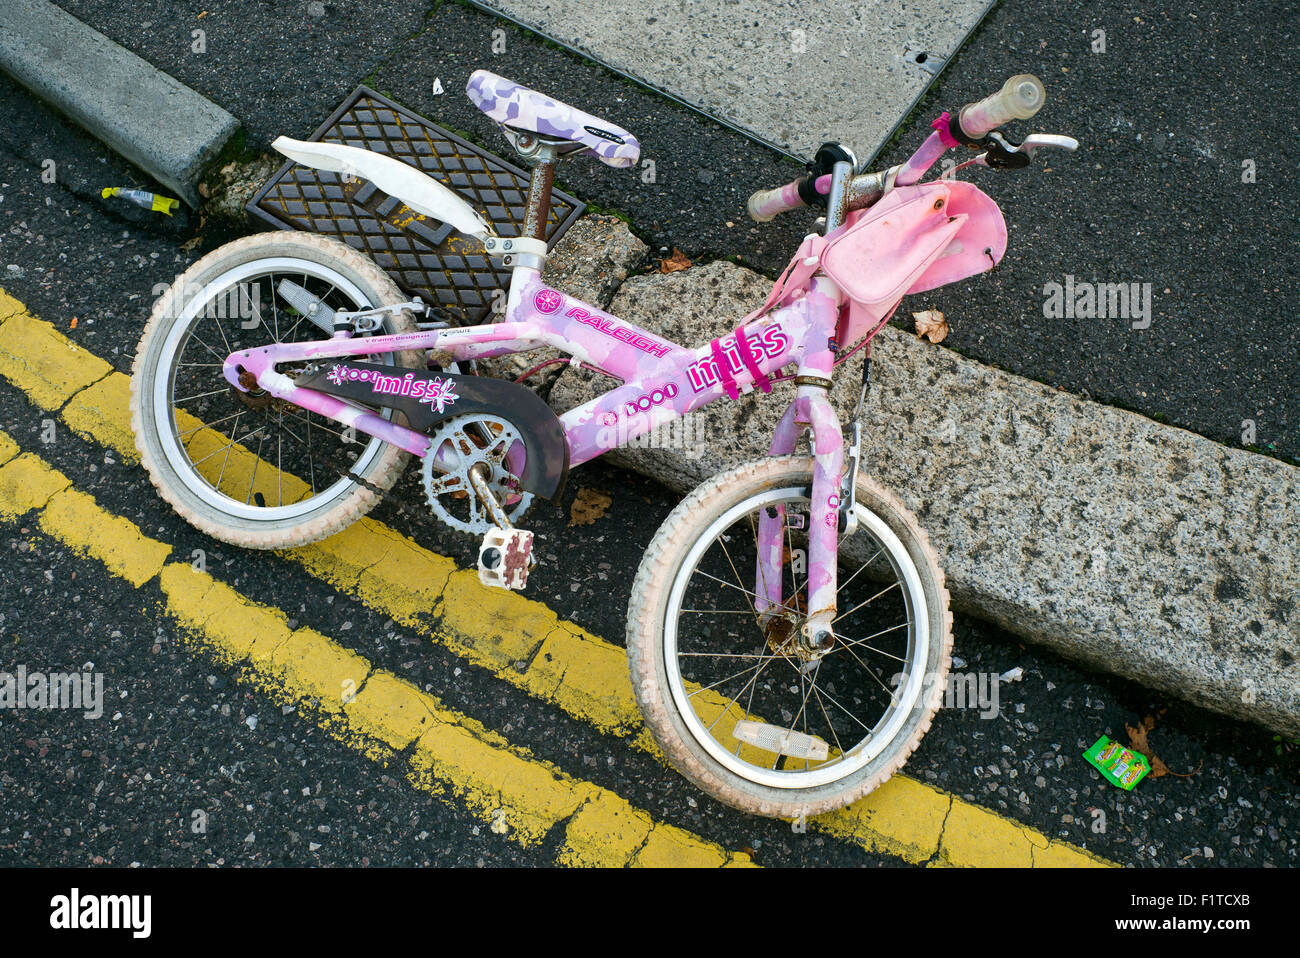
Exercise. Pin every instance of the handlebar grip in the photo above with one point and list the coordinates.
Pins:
(766, 204)
(1020, 98)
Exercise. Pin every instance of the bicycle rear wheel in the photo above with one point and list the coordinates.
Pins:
(244, 467)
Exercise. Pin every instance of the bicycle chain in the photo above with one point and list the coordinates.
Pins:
(383, 494)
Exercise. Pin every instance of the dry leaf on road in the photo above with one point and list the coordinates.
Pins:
(589, 506)
(931, 324)
(1137, 740)
(675, 262)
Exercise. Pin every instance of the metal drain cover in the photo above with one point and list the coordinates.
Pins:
(426, 258)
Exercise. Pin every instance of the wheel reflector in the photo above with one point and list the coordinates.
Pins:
(784, 741)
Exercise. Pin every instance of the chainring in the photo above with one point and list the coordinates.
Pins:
(472, 439)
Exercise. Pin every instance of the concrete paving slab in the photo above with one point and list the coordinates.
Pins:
(168, 130)
(794, 74)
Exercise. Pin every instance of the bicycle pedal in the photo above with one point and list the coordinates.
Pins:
(505, 558)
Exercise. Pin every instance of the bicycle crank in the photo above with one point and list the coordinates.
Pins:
(506, 554)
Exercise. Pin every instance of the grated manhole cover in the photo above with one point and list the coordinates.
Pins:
(426, 258)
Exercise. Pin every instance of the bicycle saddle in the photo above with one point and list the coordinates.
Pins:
(517, 106)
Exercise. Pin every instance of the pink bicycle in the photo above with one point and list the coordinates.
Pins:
(788, 633)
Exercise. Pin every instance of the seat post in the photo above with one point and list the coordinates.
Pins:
(539, 198)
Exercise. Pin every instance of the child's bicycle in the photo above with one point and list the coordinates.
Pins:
(788, 633)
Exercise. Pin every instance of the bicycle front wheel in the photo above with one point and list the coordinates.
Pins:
(737, 703)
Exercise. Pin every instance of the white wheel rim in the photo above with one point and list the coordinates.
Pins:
(864, 752)
(162, 407)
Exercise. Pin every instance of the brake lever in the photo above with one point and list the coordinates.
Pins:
(1002, 153)
(1055, 140)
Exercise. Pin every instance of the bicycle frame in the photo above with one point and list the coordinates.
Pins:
(661, 380)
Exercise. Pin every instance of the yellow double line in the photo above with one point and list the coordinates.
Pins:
(563, 664)
(385, 717)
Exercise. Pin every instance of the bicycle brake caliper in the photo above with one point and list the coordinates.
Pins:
(848, 501)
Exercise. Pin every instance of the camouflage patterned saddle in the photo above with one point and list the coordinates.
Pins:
(523, 109)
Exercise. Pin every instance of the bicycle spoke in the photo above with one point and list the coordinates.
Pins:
(225, 342)
(867, 602)
(275, 310)
(829, 724)
(195, 336)
(257, 461)
(729, 655)
(215, 392)
(739, 581)
(209, 425)
(759, 671)
(713, 685)
(730, 586)
(233, 430)
(832, 700)
(720, 611)
(844, 643)
(231, 443)
(860, 568)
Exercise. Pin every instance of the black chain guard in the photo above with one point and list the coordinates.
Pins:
(429, 398)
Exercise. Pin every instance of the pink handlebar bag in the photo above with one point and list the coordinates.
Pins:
(913, 239)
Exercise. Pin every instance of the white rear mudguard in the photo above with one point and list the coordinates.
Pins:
(420, 192)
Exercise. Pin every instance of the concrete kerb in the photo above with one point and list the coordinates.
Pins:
(1141, 549)
(159, 124)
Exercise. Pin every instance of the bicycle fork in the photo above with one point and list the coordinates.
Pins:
(811, 409)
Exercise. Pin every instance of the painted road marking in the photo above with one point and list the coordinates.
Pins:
(565, 665)
(368, 709)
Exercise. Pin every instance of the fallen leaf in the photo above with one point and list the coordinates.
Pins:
(1137, 737)
(1137, 740)
(931, 325)
(677, 261)
(1167, 771)
(589, 506)
(73, 324)
(191, 243)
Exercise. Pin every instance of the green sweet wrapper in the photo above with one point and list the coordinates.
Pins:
(1120, 766)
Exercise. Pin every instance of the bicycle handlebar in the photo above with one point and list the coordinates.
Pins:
(1020, 98)
(764, 205)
